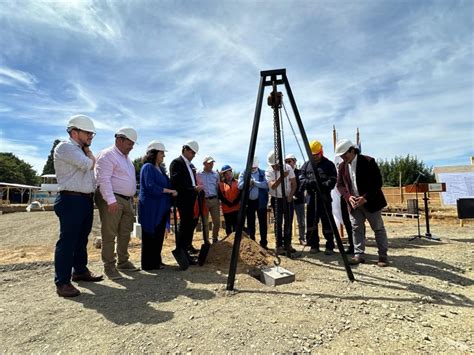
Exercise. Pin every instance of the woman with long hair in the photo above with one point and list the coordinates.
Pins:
(154, 203)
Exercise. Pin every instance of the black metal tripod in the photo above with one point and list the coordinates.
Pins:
(427, 235)
(274, 78)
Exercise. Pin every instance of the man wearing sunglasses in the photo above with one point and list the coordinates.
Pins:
(315, 211)
(74, 166)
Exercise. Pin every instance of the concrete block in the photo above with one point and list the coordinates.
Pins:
(137, 231)
(276, 275)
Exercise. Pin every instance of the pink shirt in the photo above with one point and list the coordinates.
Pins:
(115, 173)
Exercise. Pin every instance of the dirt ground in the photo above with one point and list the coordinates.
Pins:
(422, 303)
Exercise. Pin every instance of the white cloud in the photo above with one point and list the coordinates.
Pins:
(14, 77)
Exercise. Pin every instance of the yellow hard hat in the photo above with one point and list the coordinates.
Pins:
(316, 147)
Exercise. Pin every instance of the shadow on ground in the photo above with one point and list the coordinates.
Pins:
(137, 299)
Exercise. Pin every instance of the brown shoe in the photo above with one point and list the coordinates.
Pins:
(87, 276)
(67, 290)
(357, 259)
(383, 261)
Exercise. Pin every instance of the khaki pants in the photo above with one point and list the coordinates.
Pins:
(115, 225)
(214, 209)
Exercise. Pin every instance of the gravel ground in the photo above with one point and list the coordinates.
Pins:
(423, 302)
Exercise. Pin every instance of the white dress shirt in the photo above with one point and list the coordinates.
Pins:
(352, 175)
(272, 175)
(73, 168)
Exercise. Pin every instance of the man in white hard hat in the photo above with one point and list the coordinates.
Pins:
(183, 180)
(117, 185)
(209, 180)
(274, 180)
(299, 199)
(74, 206)
(360, 183)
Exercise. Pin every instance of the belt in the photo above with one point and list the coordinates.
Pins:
(123, 196)
(74, 193)
(211, 197)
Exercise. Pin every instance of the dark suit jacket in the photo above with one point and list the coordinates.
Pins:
(181, 182)
(369, 183)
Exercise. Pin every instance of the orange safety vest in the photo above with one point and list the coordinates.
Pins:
(231, 193)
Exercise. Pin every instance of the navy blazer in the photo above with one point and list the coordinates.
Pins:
(369, 183)
(181, 182)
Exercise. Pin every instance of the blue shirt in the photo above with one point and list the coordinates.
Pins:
(210, 182)
(259, 182)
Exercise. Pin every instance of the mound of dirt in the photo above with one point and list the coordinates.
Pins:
(251, 256)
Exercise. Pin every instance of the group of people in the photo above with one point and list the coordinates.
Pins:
(109, 180)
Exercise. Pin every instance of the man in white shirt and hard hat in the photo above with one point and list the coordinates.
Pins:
(283, 208)
(74, 205)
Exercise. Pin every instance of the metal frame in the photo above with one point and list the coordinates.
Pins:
(274, 78)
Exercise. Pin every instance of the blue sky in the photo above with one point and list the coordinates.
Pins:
(400, 71)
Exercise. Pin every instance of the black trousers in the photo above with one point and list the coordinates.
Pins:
(230, 219)
(252, 209)
(283, 237)
(152, 244)
(187, 224)
(316, 212)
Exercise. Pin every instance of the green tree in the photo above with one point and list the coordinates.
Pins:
(138, 163)
(16, 171)
(408, 167)
(49, 166)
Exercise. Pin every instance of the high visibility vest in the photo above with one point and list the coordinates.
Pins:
(231, 193)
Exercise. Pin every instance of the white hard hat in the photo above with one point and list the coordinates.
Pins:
(127, 132)
(290, 156)
(81, 122)
(193, 145)
(343, 146)
(208, 159)
(156, 145)
(271, 158)
(255, 162)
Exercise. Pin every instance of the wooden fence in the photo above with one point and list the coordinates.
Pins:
(396, 196)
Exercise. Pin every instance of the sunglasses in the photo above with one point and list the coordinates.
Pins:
(90, 134)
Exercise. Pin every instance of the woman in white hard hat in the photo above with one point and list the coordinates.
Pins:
(154, 205)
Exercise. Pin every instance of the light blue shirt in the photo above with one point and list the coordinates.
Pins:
(209, 181)
(253, 194)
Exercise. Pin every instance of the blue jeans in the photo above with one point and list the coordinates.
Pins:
(75, 214)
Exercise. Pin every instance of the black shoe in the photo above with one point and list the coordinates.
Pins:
(192, 260)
